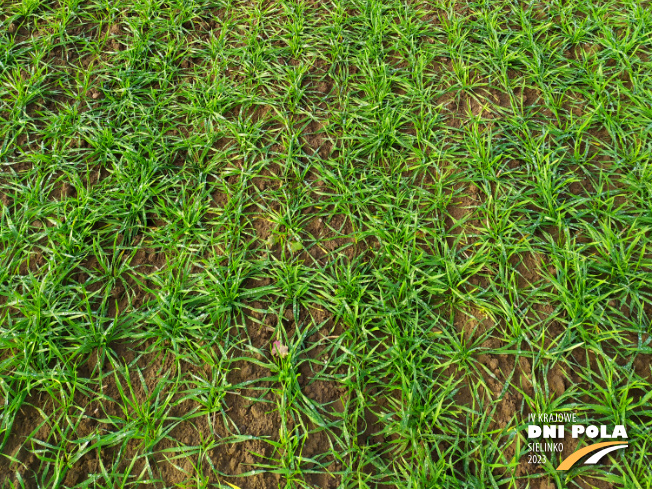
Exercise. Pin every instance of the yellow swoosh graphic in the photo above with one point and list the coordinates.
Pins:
(574, 457)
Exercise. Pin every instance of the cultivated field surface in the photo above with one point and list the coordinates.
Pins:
(345, 244)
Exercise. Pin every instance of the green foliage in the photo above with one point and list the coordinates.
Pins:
(441, 208)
